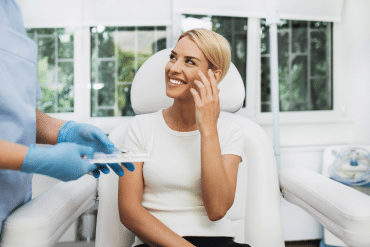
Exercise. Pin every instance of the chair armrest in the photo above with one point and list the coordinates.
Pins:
(44, 219)
(109, 229)
(342, 210)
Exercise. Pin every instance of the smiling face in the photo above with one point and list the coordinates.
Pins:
(186, 60)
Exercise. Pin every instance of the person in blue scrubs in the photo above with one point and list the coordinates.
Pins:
(22, 125)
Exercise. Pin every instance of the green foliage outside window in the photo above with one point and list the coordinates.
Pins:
(305, 66)
(116, 54)
(55, 69)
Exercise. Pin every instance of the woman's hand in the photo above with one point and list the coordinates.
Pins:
(207, 103)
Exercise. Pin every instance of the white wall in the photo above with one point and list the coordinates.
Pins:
(356, 64)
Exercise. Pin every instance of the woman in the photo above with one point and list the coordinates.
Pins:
(181, 196)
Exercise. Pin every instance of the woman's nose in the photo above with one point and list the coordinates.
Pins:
(175, 67)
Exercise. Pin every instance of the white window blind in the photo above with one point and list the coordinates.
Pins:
(128, 12)
(63, 13)
(320, 10)
(51, 13)
(57, 13)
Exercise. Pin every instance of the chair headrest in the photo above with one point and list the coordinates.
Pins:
(148, 91)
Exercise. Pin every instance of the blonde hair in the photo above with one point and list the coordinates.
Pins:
(214, 47)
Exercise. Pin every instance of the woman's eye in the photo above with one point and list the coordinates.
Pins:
(190, 62)
(172, 56)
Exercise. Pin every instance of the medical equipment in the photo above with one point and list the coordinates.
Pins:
(343, 211)
(351, 166)
(90, 136)
(119, 157)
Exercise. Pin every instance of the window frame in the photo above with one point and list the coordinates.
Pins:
(135, 30)
(82, 78)
(253, 91)
(299, 128)
(58, 60)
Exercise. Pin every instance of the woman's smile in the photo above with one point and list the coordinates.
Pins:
(176, 82)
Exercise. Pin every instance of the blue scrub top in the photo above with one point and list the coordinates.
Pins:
(19, 91)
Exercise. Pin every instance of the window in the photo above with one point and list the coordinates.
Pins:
(55, 68)
(234, 29)
(116, 54)
(305, 66)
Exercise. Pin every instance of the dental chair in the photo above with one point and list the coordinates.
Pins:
(348, 164)
(343, 211)
(256, 212)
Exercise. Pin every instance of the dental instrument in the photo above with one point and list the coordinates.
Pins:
(119, 157)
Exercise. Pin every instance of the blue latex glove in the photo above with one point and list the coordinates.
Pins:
(87, 135)
(62, 161)
(91, 136)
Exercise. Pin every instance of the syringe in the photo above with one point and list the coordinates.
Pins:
(118, 157)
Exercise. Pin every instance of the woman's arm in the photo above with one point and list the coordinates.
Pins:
(218, 177)
(137, 219)
(47, 128)
(218, 174)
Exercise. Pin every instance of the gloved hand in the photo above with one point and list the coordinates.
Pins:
(88, 135)
(62, 161)
(115, 167)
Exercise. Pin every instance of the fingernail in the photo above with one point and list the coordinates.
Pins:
(96, 174)
(131, 167)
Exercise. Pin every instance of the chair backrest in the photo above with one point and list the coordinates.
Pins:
(148, 91)
(256, 213)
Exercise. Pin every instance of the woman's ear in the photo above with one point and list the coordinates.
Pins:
(218, 74)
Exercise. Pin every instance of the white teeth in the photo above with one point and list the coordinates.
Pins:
(176, 82)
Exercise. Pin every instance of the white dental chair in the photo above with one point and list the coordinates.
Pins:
(256, 213)
(342, 210)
